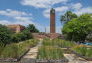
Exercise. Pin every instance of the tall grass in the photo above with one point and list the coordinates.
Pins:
(50, 52)
(10, 51)
(15, 50)
(1, 47)
(84, 51)
(58, 42)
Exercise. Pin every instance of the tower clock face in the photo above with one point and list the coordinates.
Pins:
(53, 11)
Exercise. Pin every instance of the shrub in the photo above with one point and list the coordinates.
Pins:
(21, 36)
(16, 37)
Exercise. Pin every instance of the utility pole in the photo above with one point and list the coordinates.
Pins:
(45, 29)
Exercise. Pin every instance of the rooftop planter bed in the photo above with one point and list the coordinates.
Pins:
(59, 43)
(83, 52)
(14, 52)
(50, 54)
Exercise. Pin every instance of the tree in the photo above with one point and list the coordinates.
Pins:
(77, 29)
(5, 35)
(28, 34)
(32, 28)
(68, 16)
(89, 37)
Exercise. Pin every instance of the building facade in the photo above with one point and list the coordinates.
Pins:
(16, 28)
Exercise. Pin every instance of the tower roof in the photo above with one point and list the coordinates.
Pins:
(52, 10)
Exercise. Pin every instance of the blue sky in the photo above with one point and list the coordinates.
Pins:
(36, 12)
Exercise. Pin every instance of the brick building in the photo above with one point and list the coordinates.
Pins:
(16, 28)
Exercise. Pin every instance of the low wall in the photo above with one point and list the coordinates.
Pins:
(47, 35)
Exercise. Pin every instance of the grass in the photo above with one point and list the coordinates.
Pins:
(1, 47)
(51, 49)
(58, 42)
(84, 51)
(15, 50)
(50, 52)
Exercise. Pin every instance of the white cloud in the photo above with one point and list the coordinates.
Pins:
(12, 13)
(46, 13)
(83, 11)
(41, 3)
(6, 22)
(77, 6)
(17, 15)
(23, 18)
(61, 9)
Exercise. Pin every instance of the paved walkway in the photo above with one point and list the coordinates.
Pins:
(74, 59)
(30, 56)
(32, 53)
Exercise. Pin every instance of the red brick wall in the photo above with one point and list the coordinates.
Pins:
(52, 22)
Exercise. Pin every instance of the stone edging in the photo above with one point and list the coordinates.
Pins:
(88, 59)
(52, 61)
(13, 59)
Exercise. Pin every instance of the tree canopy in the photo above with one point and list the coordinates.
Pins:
(5, 34)
(77, 29)
(32, 28)
(68, 16)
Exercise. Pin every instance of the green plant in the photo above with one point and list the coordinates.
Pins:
(25, 45)
(68, 16)
(1, 47)
(10, 51)
(89, 37)
(50, 52)
(89, 52)
(18, 37)
(31, 28)
(77, 29)
(5, 35)
(84, 51)
(15, 50)
(58, 42)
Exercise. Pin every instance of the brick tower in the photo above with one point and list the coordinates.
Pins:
(52, 20)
